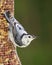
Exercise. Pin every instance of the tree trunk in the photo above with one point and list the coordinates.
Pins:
(8, 54)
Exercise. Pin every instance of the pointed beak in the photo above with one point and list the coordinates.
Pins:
(34, 37)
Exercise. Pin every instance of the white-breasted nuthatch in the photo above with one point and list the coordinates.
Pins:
(17, 33)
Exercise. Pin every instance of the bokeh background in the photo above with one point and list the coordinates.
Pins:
(36, 17)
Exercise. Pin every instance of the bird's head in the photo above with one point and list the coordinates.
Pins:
(26, 40)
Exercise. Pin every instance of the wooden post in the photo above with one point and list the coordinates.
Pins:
(8, 54)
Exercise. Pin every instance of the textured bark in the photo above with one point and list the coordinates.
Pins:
(8, 54)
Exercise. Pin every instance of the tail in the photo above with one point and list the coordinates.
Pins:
(7, 16)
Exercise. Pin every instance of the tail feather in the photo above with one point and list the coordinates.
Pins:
(7, 16)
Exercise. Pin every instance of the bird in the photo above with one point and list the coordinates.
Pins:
(17, 34)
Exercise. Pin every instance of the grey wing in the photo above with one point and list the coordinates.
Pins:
(16, 37)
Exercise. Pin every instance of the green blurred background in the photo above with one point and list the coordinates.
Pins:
(36, 17)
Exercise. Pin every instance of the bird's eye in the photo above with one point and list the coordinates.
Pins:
(29, 36)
